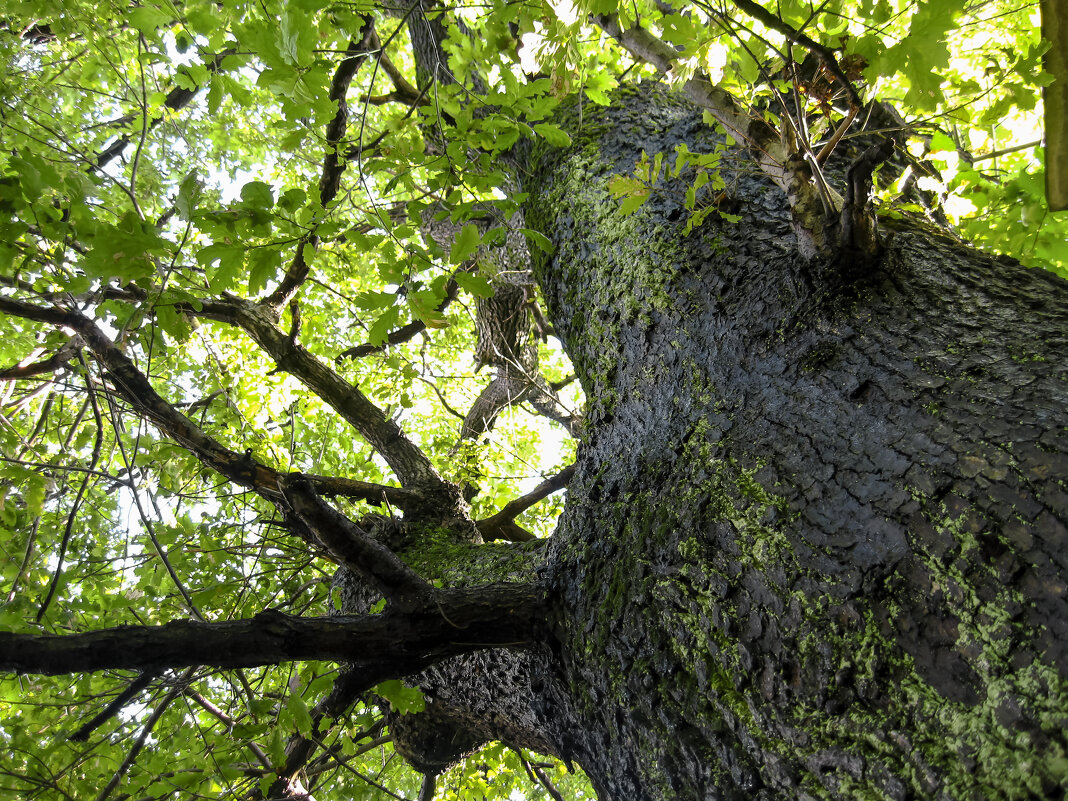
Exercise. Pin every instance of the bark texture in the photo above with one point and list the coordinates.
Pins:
(815, 545)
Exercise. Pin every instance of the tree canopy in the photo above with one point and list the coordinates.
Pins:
(249, 253)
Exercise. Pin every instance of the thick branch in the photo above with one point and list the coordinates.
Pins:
(411, 465)
(409, 462)
(860, 233)
(138, 391)
(354, 548)
(379, 646)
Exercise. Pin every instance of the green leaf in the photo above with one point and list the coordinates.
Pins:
(230, 259)
(403, 699)
(147, 19)
(215, 94)
(277, 748)
(257, 195)
(465, 244)
(474, 284)
(189, 193)
(542, 242)
(301, 715)
(553, 134)
(378, 332)
(263, 264)
(632, 192)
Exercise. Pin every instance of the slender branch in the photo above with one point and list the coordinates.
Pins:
(993, 154)
(146, 730)
(227, 721)
(824, 54)
(402, 334)
(375, 494)
(72, 515)
(333, 164)
(383, 646)
(177, 99)
(66, 352)
(502, 526)
(347, 688)
(112, 709)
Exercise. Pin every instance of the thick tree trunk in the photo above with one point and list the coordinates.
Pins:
(815, 546)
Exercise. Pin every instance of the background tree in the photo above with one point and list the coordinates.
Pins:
(270, 530)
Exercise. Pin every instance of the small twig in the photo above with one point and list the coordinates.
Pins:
(824, 54)
(1006, 151)
(112, 709)
(839, 132)
(72, 515)
(131, 757)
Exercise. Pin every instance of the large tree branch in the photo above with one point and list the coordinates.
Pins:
(407, 460)
(241, 468)
(381, 646)
(502, 525)
(401, 585)
(135, 387)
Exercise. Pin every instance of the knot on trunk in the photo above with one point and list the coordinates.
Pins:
(431, 741)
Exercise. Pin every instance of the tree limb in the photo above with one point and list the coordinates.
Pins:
(136, 389)
(177, 99)
(502, 526)
(402, 334)
(824, 54)
(407, 460)
(66, 352)
(333, 164)
(112, 709)
(401, 585)
(383, 646)
(142, 738)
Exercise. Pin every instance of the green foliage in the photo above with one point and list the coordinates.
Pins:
(159, 157)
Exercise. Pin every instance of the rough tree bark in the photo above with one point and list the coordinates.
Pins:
(816, 543)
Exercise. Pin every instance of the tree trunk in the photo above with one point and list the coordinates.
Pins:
(815, 546)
